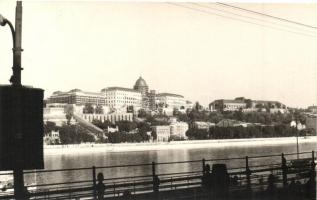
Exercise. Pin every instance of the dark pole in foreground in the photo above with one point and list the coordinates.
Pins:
(19, 191)
(17, 49)
(16, 81)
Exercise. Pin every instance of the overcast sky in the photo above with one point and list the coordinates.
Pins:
(193, 52)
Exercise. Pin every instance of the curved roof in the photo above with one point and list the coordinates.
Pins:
(140, 83)
(57, 92)
(75, 90)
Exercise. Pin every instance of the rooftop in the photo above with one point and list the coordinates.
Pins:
(229, 101)
(57, 93)
(265, 101)
(170, 94)
(119, 88)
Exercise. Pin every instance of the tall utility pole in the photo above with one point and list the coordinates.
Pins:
(17, 49)
(16, 82)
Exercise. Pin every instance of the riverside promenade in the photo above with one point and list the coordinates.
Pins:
(283, 176)
(188, 144)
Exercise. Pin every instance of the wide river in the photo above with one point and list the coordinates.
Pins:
(79, 160)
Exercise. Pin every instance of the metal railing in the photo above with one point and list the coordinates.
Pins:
(249, 177)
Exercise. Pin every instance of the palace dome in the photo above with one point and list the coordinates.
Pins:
(140, 83)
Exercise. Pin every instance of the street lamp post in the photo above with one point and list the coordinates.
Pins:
(16, 82)
(16, 77)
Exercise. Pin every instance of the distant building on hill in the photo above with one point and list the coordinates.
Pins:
(202, 125)
(163, 133)
(77, 97)
(179, 129)
(311, 122)
(312, 109)
(52, 138)
(267, 104)
(169, 100)
(56, 113)
(227, 105)
(247, 105)
(175, 129)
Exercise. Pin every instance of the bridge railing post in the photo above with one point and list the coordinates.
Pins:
(313, 165)
(203, 165)
(94, 182)
(313, 176)
(248, 175)
(156, 180)
(284, 171)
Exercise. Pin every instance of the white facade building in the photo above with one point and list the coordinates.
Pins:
(120, 99)
(55, 113)
(78, 97)
(171, 100)
(163, 133)
(179, 129)
(52, 138)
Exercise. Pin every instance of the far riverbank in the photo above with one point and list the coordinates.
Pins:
(189, 144)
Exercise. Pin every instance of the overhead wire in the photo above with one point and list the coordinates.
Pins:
(267, 15)
(241, 20)
(261, 20)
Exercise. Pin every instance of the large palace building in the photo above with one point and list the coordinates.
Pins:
(119, 98)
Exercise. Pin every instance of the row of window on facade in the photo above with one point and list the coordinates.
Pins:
(111, 118)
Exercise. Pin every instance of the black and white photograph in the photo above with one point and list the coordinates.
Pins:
(158, 100)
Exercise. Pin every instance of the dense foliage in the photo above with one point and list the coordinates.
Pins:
(119, 137)
(265, 118)
(128, 131)
(246, 132)
(74, 134)
(70, 134)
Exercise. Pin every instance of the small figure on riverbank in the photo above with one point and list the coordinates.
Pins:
(100, 187)
(206, 179)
